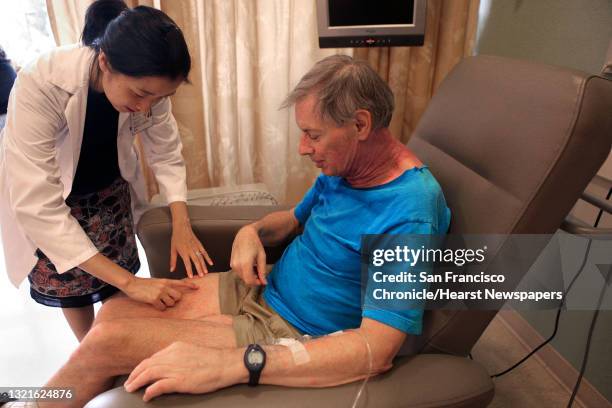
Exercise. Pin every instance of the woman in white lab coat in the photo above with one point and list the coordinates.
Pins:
(71, 186)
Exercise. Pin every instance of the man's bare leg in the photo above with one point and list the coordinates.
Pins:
(115, 347)
(80, 319)
(130, 331)
(194, 304)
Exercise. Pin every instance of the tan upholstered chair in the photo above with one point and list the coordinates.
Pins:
(513, 145)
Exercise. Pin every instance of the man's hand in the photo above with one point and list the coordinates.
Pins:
(249, 257)
(161, 293)
(183, 367)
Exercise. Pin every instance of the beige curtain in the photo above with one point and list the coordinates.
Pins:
(248, 54)
(66, 18)
(246, 57)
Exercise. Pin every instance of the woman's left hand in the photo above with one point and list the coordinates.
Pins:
(185, 243)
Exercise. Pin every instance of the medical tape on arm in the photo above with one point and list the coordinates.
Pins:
(296, 347)
(298, 351)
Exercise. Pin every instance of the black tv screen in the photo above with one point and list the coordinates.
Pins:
(369, 23)
(343, 13)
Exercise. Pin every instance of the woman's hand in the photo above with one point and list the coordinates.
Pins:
(188, 246)
(183, 367)
(161, 293)
(185, 243)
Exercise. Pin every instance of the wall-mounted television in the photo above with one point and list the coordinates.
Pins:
(371, 23)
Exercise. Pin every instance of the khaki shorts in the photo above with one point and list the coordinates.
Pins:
(254, 320)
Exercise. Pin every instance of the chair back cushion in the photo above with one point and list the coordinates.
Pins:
(513, 144)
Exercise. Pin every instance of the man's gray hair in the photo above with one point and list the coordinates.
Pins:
(342, 86)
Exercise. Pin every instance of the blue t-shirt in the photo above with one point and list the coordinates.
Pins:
(316, 285)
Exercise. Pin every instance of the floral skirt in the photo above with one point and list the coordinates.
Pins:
(106, 217)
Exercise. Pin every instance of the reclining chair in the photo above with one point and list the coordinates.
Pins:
(513, 144)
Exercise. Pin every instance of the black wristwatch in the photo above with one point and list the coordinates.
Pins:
(254, 360)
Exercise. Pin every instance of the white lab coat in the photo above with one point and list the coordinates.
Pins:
(39, 153)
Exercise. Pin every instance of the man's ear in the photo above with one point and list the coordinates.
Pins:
(363, 124)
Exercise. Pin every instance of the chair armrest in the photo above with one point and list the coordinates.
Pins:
(597, 202)
(214, 226)
(573, 225)
(576, 226)
(423, 381)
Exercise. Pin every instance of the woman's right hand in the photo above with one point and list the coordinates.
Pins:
(160, 293)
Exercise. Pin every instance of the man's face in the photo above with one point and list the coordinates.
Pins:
(331, 148)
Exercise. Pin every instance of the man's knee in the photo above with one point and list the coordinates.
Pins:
(104, 337)
(89, 350)
(99, 351)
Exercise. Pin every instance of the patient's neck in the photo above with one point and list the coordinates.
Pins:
(378, 160)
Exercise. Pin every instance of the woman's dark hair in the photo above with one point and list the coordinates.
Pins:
(137, 42)
(2, 55)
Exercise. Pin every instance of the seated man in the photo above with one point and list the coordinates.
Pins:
(370, 184)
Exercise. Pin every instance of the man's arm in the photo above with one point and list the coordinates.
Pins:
(333, 360)
(248, 247)
(275, 227)
(336, 359)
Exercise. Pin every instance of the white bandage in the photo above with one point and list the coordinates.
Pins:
(298, 350)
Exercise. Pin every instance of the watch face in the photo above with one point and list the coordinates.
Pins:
(255, 357)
